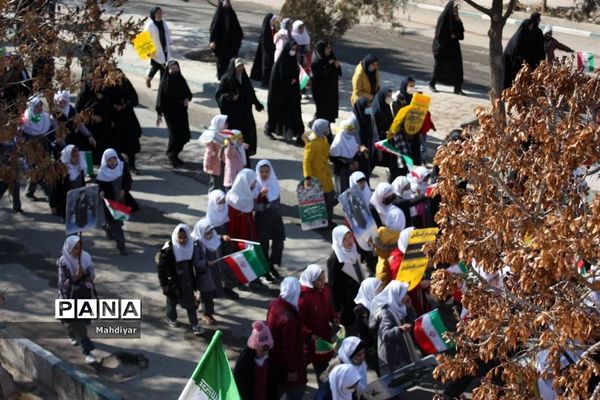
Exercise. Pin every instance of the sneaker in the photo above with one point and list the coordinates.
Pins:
(267, 278)
(198, 330)
(90, 359)
(231, 294)
(172, 323)
(433, 88)
(74, 342)
(276, 275)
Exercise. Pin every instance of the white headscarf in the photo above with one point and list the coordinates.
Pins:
(383, 190)
(395, 220)
(201, 228)
(403, 239)
(418, 179)
(340, 378)
(71, 262)
(35, 124)
(344, 143)
(106, 174)
(366, 192)
(74, 170)
(241, 196)
(303, 39)
(367, 292)
(343, 255)
(347, 349)
(290, 290)
(66, 96)
(217, 214)
(272, 183)
(392, 297)
(401, 186)
(310, 274)
(182, 253)
(217, 123)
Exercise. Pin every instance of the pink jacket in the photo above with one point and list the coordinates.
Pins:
(212, 162)
(234, 163)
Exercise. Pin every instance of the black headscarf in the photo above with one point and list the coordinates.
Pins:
(319, 56)
(365, 124)
(381, 110)
(366, 61)
(225, 29)
(404, 96)
(266, 32)
(173, 89)
(160, 26)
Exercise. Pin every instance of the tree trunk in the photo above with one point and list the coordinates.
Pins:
(496, 59)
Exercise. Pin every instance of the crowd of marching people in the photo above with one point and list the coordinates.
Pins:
(342, 317)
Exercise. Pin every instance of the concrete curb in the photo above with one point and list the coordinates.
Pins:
(50, 371)
(510, 21)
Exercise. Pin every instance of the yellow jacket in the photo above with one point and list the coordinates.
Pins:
(385, 242)
(316, 161)
(361, 85)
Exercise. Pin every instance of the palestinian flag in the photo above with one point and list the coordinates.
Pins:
(119, 212)
(87, 156)
(429, 330)
(248, 264)
(304, 78)
(585, 61)
(387, 147)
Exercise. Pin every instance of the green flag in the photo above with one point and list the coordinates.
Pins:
(212, 379)
(89, 161)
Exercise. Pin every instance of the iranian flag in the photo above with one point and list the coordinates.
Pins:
(429, 329)
(248, 264)
(304, 78)
(387, 147)
(89, 161)
(212, 379)
(585, 61)
(119, 211)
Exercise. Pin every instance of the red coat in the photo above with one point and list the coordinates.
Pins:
(316, 314)
(241, 225)
(287, 354)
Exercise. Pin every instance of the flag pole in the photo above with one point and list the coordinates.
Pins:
(245, 241)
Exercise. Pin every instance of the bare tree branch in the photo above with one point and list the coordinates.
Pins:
(509, 9)
(478, 7)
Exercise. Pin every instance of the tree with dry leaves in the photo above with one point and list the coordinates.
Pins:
(41, 40)
(523, 225)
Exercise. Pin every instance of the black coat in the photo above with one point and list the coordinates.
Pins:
(58, 194)
(343, 290)
(172, 93)
(284, 96)
(325, 87)
(126, 130)
(243, 374)
(96, 103)
(239, 112)
(109, 192)
(226, 32)
(267, 217)
(449, 31)
(265, 53)
(526, 45)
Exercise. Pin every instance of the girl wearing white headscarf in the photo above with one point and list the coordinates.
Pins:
(241, 206)
(114, 183)
(213, 156)
(369, 288)
(76, 276)
(37, 125)
(269, 224)
(64, 113)
(302, 38)
(381, 202)
(343, 380)
(180, 262)
(390, 319)
(317, 316)
(72, 178)
(407, 199)
(344, 155)
(287, 354)
(352, 352)
(282, 36)
(208, 281)
(359, 180)
(344, 273)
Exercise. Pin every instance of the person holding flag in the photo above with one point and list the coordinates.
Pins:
(114, 185)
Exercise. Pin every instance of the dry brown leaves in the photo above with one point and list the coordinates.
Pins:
(523, 210)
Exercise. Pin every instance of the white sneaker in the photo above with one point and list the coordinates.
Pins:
(90, 359)
(74, 342)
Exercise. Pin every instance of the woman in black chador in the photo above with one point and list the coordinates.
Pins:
(265, 52)
(172, 102)
(285, 114)
(225, 36)
(326, 71)
(527, 44)
(449, 31)
(236, 97)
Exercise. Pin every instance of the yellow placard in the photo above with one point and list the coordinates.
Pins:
(414, 262)
(412, 116)
(144, 46)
